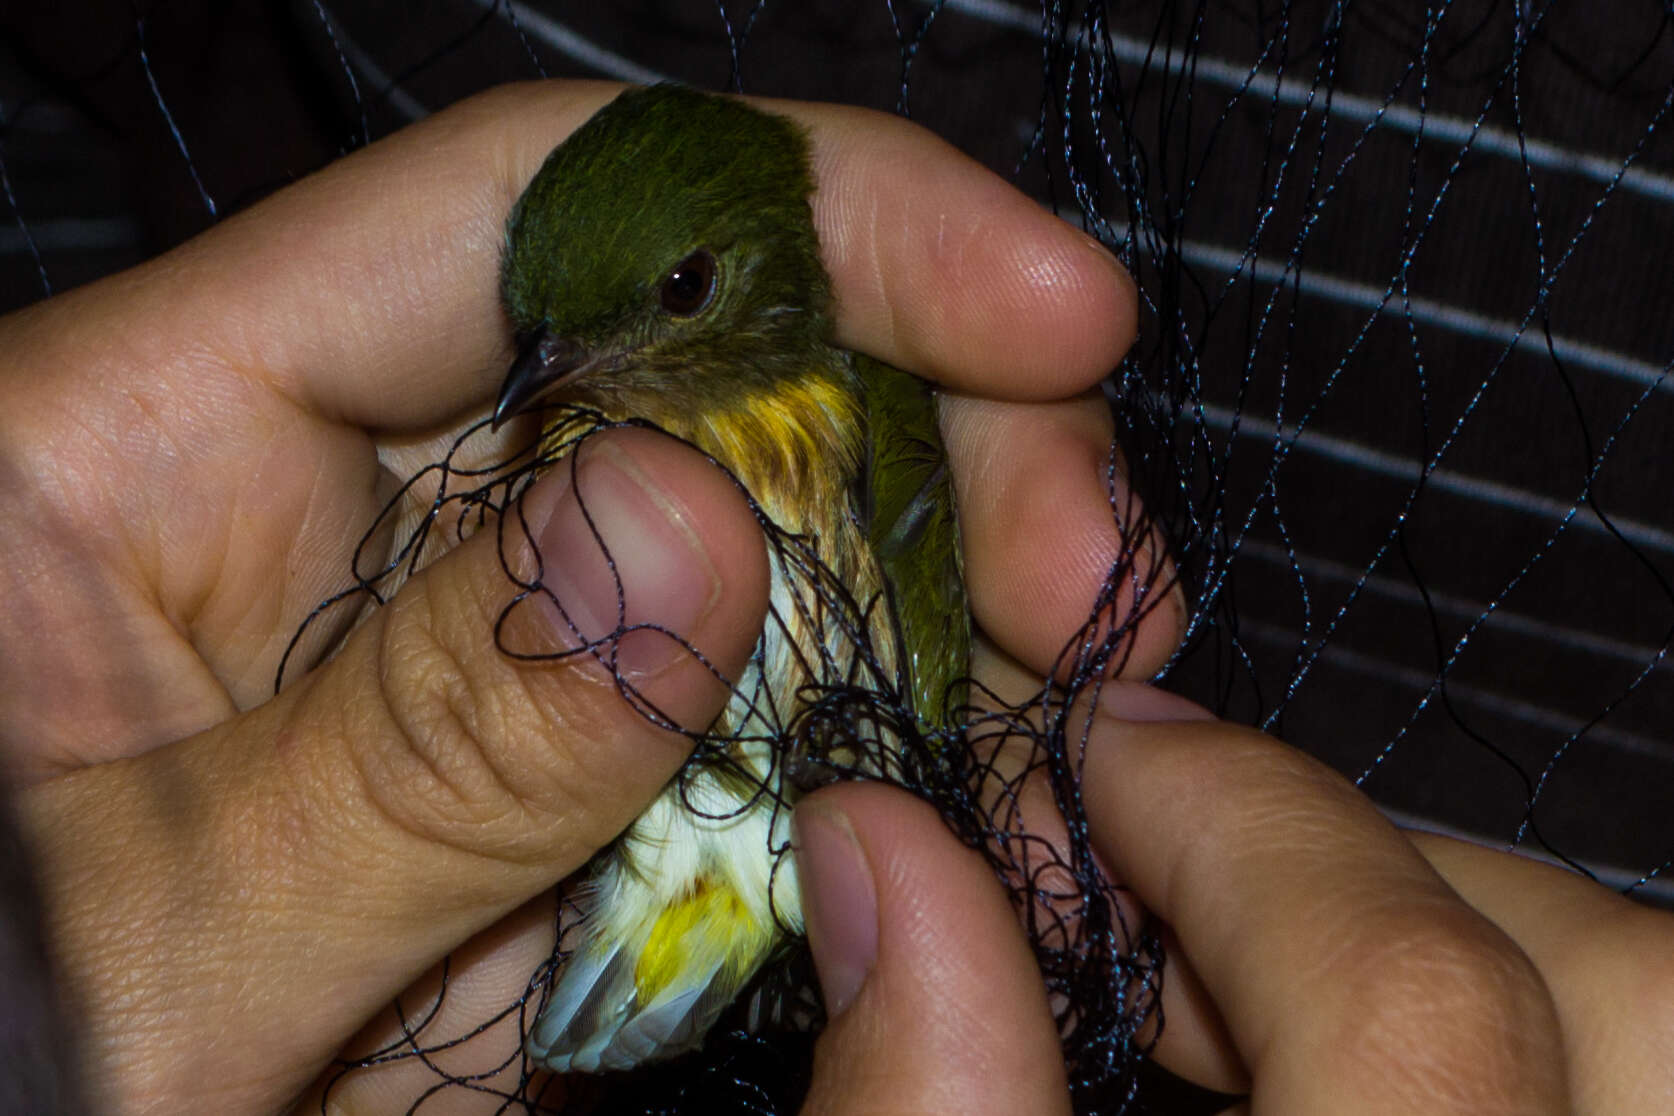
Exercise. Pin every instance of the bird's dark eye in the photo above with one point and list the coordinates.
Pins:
(690, 286)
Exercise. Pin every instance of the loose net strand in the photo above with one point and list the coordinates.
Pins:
(1399, 407)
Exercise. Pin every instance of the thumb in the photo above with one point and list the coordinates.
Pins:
(935, 1000)
(231, 908)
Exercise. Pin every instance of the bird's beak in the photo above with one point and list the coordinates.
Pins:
(542, 362)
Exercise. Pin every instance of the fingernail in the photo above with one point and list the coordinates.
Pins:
(1141, 701)
(1103, 251)
(638, 561)
(839, 904)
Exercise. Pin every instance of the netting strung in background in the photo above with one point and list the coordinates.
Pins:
(1401, 395)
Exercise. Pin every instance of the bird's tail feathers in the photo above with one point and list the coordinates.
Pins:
(621, 1002)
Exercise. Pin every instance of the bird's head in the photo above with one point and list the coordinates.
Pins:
(665, 254)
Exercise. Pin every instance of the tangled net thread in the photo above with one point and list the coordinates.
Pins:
(1103, 974)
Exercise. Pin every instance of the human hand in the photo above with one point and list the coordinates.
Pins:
(236, 882)
(1323, 961)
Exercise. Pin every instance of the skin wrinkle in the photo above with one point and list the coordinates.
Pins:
(1030, 492)
(406, 793)
(246, 340)
(570, 726)
(1378, 948)
(591, 775)
(309, 575)
(385, 286)
(916, 318)
(212, 573)
(526, 703)
(48, 508)
(455, 747)
(73, 427)
(845, 232)
(422, 815)
(183, 559)
(303, 793)
(447, 741)
(136, 942)
(316, 939)
(380, 907)
(1046, 273)
(1188, 867)
(877, 274)
(501, 782)
(1612, 997)
(476, 701)
(92, 601)
(1452, 983)
(531, 791)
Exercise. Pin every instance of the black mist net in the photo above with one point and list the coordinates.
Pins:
(1400, 406)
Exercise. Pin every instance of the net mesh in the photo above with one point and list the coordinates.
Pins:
(1400, 398)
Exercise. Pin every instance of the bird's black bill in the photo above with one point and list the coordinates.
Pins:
(542, 361)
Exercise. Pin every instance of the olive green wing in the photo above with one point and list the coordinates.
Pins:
(906, 507)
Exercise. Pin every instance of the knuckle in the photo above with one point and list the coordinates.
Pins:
(453, 758)
(1447, 1012)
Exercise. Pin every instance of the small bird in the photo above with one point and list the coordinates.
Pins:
(663, 266)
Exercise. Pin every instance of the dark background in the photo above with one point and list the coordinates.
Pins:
(1401, 392)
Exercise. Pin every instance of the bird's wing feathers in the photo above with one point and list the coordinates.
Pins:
(905, 504)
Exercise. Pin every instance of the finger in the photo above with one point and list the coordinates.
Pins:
(369, 291)
(944, 269)
(462, 1022)
(936, 1004)
(1608, 961)
(404, 796)
(1350, 977)
(1195, 1044)
(1047, 521)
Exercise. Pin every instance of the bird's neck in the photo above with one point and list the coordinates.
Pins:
(791, 430)
(794, 441)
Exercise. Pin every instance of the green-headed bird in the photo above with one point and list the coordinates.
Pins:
(663, 266)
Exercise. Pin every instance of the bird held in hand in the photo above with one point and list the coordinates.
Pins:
(663, 266)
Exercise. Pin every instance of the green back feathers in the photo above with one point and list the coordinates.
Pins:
(906, 500)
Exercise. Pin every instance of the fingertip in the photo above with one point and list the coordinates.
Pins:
(839, 901)
(1285, 886)
(953, 1014)
(943, 268)
(641, 560)
(1048, 520)
(1140, 701)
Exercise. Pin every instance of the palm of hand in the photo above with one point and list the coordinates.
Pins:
(176, 519)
